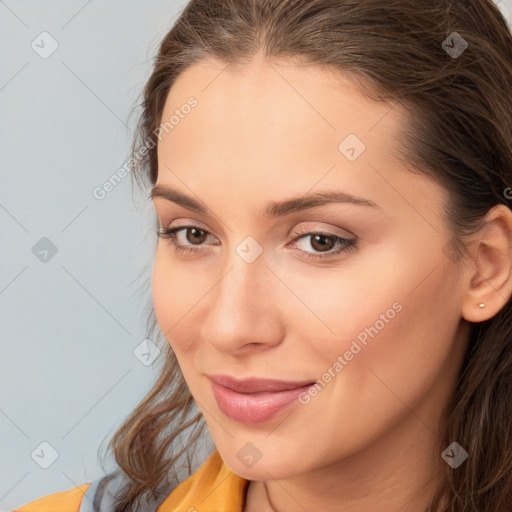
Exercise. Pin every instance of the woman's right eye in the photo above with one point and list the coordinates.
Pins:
(192, 235)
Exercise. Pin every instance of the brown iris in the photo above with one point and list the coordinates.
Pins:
(198, 237)
(325, 243)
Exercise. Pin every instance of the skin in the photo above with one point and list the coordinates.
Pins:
(269, 131)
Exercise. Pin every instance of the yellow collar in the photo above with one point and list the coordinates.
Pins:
(212, 488)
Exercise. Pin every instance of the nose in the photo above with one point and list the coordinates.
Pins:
(242, 312)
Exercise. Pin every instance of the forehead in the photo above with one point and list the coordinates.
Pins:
(277, 105)
(278, 128)
(277, 94)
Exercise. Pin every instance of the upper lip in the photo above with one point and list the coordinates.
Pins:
(257, 385)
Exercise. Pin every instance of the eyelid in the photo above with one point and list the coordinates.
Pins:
(302, 229)
(186, 223)
(308, 229)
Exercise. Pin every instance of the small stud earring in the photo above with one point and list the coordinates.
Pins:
(481, 305)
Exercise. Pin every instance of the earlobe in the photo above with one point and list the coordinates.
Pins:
(488, 273)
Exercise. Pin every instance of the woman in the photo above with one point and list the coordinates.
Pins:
(331, 181)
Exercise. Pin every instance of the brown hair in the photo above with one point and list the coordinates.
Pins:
(458, 131)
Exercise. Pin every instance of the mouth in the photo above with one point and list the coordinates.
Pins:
(255, 400)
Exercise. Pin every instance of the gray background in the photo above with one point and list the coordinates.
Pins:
(69, 325)
(70, 321)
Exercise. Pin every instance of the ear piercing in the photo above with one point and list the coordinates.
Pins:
(481, 305)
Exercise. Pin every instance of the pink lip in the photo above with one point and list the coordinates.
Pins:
(254, 400)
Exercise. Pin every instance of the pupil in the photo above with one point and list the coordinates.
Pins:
(195, 232)
(322, 239)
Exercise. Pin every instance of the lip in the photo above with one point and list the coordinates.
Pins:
(255, 400)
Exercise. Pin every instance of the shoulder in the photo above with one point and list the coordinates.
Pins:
(64, 501)
(95, 496)
(213, 485)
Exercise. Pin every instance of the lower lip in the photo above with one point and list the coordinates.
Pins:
(255, 407)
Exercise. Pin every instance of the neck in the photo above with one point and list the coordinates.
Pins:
(399, 471)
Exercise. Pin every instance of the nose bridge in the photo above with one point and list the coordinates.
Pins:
(240, 310)
(242, 284)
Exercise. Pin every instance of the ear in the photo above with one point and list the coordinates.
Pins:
(488, 272)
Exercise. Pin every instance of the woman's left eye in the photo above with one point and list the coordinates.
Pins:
(324, 244)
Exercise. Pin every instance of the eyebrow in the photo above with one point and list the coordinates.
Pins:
(274, 208)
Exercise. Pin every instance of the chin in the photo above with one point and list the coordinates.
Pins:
(264, 469)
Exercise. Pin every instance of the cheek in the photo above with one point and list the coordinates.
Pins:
(163, 298)
(404, 362)
(396, 324)
(409, 355)
(399, 294)
(173, 297)
(334, 305)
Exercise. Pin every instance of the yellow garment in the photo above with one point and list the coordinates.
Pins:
(64, 501)
(212, 488)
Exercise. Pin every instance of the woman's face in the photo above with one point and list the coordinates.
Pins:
(272, 154)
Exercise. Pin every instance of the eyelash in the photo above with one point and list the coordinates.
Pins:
(348, 244)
